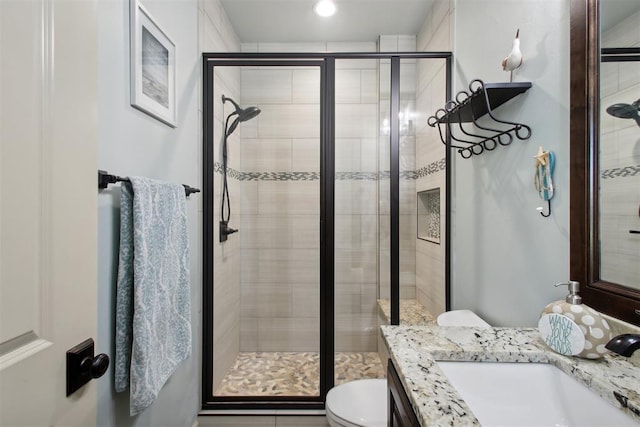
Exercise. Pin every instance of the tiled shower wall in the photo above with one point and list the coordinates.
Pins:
(217, 35)
(435, 35)
(620, 161)
(226, 257)
(356, 205)
(280, 212)
(407, 219)
(275, 174)
(280, 204)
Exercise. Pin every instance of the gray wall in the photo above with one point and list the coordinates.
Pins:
(506, 256)
(133, 143)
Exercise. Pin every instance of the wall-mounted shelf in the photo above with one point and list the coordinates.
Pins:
(468, 107)
(476, 105)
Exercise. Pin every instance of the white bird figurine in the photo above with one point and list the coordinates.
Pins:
(514, 59)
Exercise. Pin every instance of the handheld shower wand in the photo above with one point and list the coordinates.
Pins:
(240, 115)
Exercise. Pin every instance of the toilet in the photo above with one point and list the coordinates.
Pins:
(363, 403)
(360, 403)
(461, 318)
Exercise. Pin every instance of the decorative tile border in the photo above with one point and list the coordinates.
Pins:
(280, 176)
(624, 172)
(357, 176)
(231, 172)
(432, 168)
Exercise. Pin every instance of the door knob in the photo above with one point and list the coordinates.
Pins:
(82, 366)
(95, 366)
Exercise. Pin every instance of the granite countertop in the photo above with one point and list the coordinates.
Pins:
(411, 312)
(414, 350)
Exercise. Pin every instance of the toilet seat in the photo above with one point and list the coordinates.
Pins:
(361, 403)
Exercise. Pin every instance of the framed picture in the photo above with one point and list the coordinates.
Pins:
(153, 67)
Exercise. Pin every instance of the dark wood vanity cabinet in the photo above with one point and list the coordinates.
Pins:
(400, 413)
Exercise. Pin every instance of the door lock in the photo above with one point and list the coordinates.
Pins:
(82, 366)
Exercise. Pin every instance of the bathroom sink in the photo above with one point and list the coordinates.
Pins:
(529, 394)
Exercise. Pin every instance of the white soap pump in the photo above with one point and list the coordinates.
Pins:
(572, 328)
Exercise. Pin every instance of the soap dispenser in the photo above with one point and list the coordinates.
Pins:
(572, 328)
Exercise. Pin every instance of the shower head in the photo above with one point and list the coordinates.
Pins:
(248, 114)
(626, 111)
(243, 114)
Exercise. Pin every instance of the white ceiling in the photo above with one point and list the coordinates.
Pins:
(290, 21)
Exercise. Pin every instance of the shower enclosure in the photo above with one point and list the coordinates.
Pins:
(322, 186)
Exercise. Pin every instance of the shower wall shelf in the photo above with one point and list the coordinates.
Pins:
(468, 107)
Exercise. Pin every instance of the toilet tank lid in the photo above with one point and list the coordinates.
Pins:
(461, 318)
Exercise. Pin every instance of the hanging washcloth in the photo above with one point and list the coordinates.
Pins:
(153, 302)
(543, 179)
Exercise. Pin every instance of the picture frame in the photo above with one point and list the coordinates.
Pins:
(152, 67)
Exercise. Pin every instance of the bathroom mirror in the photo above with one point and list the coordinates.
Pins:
(604, 288)
(619, 142)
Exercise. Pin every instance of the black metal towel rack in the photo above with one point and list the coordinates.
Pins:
(467, 107)
(105, 178)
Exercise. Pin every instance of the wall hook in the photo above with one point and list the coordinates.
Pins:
(540, 209)
(543, 179)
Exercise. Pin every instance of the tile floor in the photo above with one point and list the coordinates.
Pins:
(292, 373)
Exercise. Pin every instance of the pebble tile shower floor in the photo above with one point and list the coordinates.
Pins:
(292, 373)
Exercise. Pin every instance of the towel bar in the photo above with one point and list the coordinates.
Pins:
(105, 178)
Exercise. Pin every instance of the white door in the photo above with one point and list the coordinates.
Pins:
(48, 207)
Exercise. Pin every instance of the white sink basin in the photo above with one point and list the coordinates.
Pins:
(529, 394)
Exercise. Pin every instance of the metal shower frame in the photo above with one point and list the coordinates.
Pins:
(326, 64)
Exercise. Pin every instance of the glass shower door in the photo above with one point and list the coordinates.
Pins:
(266, 297)
(323, 187)
(356, 220)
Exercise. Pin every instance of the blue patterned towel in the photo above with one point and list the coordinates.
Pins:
(153, 303)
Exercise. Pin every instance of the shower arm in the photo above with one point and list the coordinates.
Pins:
(235, 104)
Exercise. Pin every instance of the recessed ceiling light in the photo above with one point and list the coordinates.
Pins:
(324, 8)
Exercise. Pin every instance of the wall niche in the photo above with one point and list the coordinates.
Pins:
(429, 215)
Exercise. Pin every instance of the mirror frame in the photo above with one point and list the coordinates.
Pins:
(612, 299)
